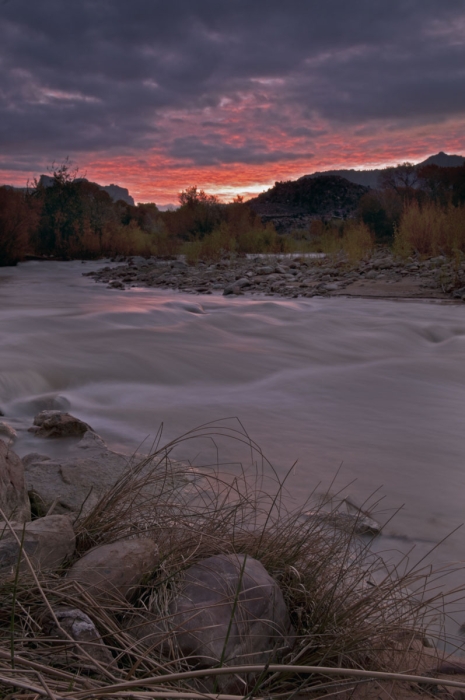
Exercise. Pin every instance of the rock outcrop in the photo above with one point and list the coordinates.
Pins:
(114, 191)
(58, 424)
(76, 482)
(293, 204)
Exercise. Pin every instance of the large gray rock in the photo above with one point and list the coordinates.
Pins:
(58, 424)
(47, 542)
(74, 624)
(230, 610)
(14, 500)
(78, 480)
(113, 570)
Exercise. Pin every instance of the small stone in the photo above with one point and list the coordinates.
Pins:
(59, 424)
(75, 624)
(358, 524)
(242, 282)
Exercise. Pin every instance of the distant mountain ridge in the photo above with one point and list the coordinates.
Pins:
(369, 178)
(115, 191)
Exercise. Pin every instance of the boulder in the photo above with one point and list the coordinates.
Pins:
(14, 500)
(58, 424)
(47, 542)
(113, 570)
(235, 287)
(78, 480)
(230, 611)
(74, 624)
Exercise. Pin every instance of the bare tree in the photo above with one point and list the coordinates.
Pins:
(402, 178)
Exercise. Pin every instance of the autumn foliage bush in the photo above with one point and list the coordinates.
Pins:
(431, 229)
(18, 217)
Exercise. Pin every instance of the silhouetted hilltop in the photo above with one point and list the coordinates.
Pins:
(369, 178)
(444, 160)
(293, 204)
(115, 191)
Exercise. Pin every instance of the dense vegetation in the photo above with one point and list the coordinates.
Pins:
(74, 218)
(414, 210)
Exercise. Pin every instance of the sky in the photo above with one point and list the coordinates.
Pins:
(228, 95)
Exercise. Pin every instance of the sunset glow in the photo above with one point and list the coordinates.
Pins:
(162, 99)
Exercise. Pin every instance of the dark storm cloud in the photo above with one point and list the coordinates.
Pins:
(105, 75)
(194, 150)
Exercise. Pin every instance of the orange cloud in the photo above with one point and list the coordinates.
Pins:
(156, 177)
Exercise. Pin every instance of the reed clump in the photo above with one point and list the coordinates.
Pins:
(351, 613)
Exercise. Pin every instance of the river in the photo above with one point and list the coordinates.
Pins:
(368, 389)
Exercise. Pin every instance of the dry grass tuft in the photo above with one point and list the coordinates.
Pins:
(348, 609)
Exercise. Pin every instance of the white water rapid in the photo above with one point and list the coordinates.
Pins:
(377, 386)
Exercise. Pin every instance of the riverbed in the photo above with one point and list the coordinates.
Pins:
(369, 391)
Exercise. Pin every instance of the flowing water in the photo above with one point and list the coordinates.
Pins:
(375, 386)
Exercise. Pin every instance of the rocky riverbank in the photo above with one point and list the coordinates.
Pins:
(382, 275)
(160, 568)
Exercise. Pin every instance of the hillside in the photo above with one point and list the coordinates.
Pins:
(369, 178)
(115, 191)
(293, 204)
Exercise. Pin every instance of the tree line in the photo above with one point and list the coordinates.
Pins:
(74, 218)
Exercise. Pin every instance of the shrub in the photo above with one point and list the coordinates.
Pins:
(381, 210)
(18, 216)
(357, 241)
(352, 238)
(430, 229)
